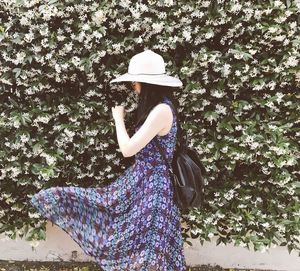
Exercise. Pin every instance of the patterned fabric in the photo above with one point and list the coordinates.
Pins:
(130, 224)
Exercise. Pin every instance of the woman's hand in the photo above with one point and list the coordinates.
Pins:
(118, 112)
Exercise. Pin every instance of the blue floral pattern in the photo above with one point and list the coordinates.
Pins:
(130, 224)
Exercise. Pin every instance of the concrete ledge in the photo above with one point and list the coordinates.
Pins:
(60, 247)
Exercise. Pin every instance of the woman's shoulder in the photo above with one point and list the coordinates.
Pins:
(162, 112)
(163, 108)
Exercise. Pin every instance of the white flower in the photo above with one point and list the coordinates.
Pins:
(24, 20)
(273, 29)
(125, 3)
(265, 170)
(212, 117)
(20, 56)
(249, 139)
(266, 225)
(135, 13)
(217, 93)
(69, 133)
(279, 38)
(134, 26)
(198, 91)
(187, 35)
(44, 119)
(196, 231)
(291, 161)
(224, 149)
(206, 4)
(292, 61)
(242, 244)
(238, 73)
(254, 145)
(197, 13)
(68, 46)
(252, 52)
(29, 37)
(158, 27)
(262, 248)
(293, 24)
(226, 69)
(75, 60)
(259, 199)
(15, 171)
(24, 138)
(279, 95)
(272, 127)
(47, 11)
(277, 3)
(220, 109)
(50, 160)
(210, 145)
(99, 17)
(57, 68)
(208, 35)
(168, 2)
(117, 48)
(272, 85)
(229, 195)
(220, 215)
(278, 151)
(236, 8)
(238, 127)
(210, 235)
(69, 157)
(2, 213)
(34, 243)
(239, 228)
(34, 215)
(192, 217)
(86, 26)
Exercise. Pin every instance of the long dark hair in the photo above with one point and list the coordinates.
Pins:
(149, 97)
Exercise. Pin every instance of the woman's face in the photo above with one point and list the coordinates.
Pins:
(136, 87)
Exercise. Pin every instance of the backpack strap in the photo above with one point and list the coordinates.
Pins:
(161, 151)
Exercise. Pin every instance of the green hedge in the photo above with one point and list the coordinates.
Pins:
(239, 63)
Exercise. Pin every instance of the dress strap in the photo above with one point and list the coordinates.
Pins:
(180, 133)
(167, 100)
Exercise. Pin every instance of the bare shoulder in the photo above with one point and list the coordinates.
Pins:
(163, 110)
(161, 116)
(163, 113)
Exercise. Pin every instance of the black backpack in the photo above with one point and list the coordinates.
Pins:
(186, 172)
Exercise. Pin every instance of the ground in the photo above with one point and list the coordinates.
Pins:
(86, 266)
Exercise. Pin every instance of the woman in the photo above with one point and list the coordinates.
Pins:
(133, 223)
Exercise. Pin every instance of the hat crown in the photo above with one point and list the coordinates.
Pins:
(147, 62)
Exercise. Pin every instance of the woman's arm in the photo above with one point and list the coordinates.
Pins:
(158, 118)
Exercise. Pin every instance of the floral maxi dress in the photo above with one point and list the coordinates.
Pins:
(130, 224)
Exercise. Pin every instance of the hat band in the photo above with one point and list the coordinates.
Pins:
(146, 73)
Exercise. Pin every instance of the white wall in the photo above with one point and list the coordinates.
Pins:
(59, 246)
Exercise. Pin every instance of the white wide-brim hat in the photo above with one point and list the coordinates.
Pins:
(148, 67)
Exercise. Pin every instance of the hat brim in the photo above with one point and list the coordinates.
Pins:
(157, 79)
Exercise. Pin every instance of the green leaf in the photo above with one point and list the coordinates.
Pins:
(28, 59)
(17, 71)
(42, 234)
(50, 2)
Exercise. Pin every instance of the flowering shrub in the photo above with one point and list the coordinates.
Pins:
(239, 61)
